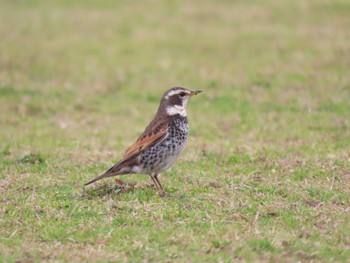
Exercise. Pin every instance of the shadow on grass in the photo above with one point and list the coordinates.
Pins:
(105, 189)
(119, 189)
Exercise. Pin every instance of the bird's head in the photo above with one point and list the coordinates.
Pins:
(175, 100)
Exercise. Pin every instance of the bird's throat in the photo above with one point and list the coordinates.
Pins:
(176, 109)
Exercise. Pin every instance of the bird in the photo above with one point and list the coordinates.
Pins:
(161, 143)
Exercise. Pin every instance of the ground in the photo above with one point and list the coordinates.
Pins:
(266, 172)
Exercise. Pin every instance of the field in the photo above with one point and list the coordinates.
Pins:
(265, 176)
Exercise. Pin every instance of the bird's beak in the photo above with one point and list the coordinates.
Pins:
(195, 92)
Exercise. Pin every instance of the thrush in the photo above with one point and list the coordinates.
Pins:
(161, 143)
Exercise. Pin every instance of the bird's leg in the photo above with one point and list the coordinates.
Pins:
(160, 185)
(153, 177)
(161, 192)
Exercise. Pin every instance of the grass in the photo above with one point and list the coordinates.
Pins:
(265, 175)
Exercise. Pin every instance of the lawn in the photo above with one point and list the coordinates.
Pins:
(265, 175)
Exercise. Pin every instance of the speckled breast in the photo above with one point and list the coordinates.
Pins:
(162, 156)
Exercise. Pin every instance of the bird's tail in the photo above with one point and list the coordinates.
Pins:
(111, 172)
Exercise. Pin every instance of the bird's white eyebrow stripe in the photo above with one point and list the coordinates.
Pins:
(173, 92)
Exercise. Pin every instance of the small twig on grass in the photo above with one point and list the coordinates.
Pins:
(257, 215)
(332, 184)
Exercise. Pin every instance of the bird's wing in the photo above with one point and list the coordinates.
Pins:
(155, 133)
(151, 136)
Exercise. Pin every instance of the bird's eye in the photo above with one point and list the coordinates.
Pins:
(182, 94)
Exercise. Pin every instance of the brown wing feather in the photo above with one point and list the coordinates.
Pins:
(150, 137)
(144, 143)
(156, 132)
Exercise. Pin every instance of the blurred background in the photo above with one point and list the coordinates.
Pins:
(267, 163)
(270, 70)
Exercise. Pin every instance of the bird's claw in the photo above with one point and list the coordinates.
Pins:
(162, 193)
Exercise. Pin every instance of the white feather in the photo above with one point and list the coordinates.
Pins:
(173, 92)
(176, 109)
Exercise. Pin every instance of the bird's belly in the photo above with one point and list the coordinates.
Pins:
(161, 157)
(160, 164)
(167, 163)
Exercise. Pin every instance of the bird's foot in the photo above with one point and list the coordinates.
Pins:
(162, 193)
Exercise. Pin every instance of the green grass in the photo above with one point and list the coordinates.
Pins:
(266, 173)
